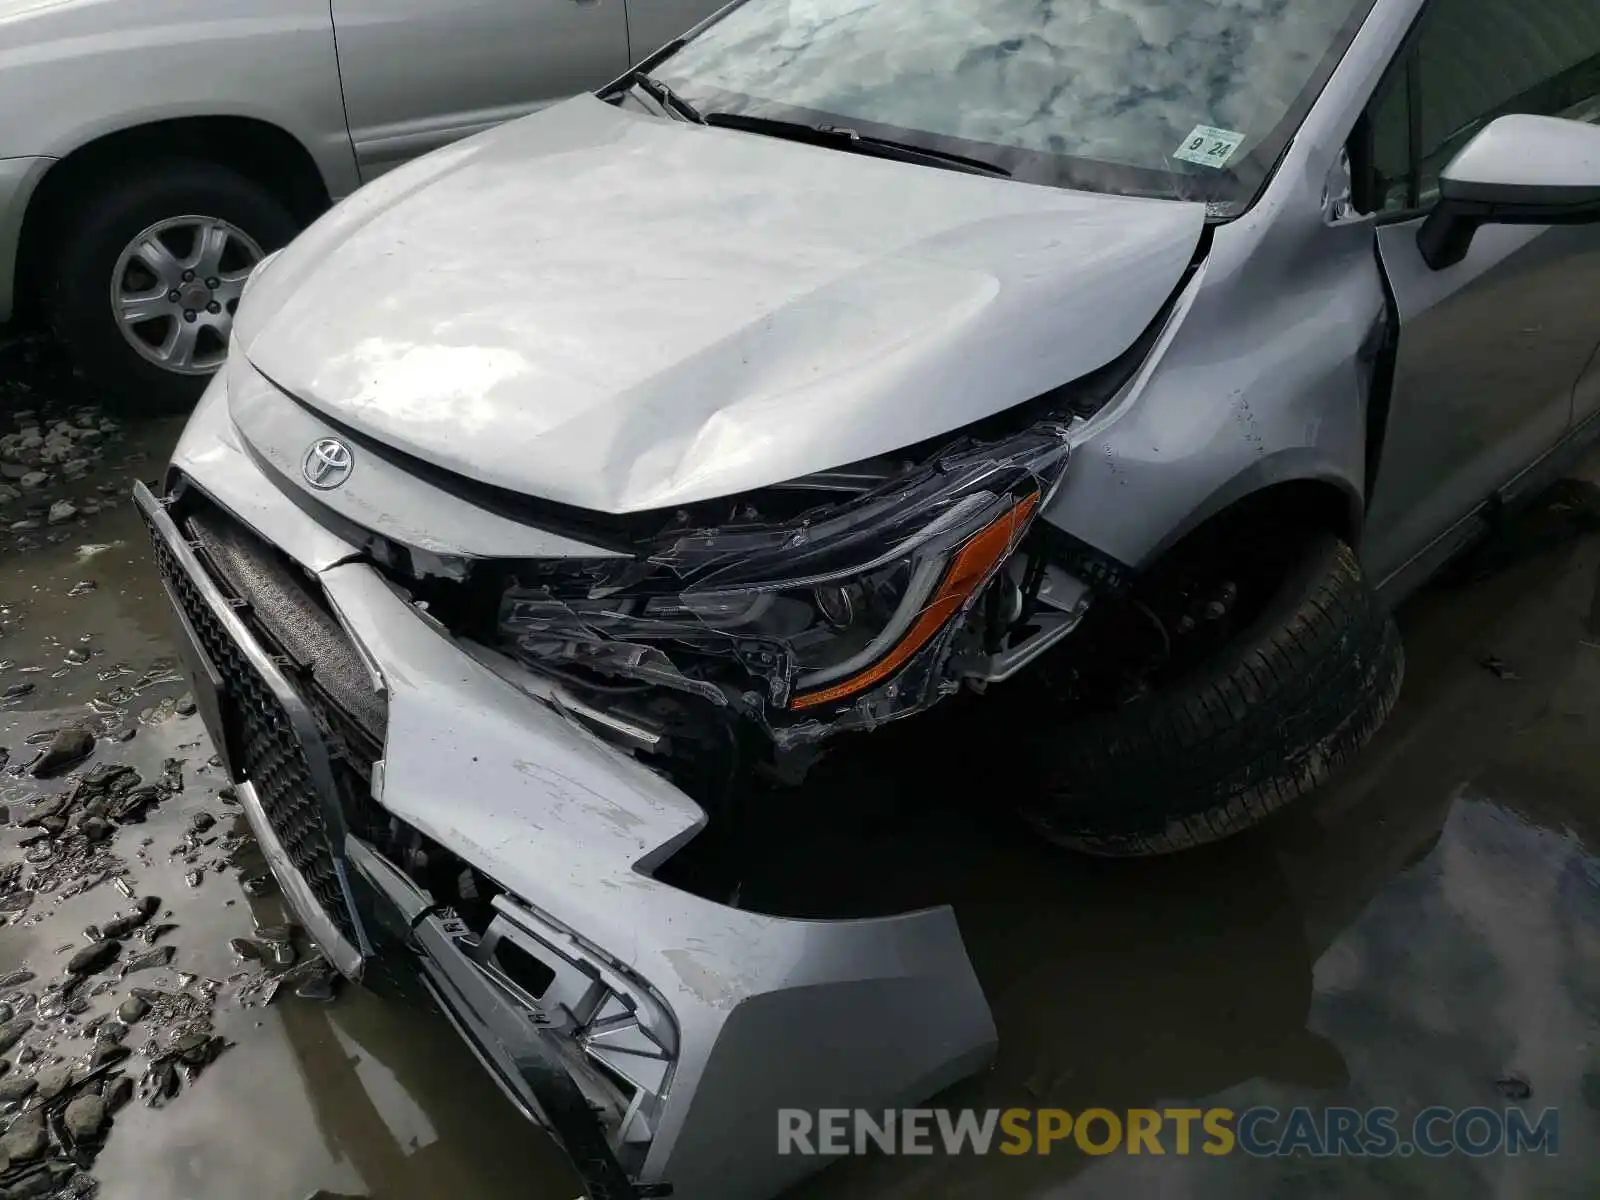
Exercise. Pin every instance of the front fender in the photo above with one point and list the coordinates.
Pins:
(1260, 378)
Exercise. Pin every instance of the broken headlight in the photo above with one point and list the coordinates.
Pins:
(816, 610)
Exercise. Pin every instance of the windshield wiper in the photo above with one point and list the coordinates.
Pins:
(845, 138)
(666, 97)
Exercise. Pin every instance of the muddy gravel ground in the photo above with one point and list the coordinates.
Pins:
(1427, 931)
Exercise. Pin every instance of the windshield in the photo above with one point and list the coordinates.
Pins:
(1174, 98)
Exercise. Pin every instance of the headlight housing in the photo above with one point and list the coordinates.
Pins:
(796, 618)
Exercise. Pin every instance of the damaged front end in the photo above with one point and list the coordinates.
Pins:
(747, 633)
(423, 814)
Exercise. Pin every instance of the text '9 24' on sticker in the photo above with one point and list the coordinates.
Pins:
(1209, 146)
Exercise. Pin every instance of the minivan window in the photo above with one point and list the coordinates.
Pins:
(1192, 99)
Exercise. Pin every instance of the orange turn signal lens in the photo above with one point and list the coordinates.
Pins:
(974, 564)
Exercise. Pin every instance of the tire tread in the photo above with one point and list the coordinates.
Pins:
(1299, 694)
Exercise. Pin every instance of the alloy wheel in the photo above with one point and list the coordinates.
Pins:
(176, 287)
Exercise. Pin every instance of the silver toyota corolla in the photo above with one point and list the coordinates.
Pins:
(1095, 373)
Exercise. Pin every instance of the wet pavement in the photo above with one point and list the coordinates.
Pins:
(1427, 931)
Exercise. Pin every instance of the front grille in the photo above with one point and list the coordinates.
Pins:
(351, 752)
(266, 750)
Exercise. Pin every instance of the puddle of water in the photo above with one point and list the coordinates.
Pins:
(358, 1097)
(1415, 933)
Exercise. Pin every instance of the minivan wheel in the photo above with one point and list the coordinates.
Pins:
(1266, 717)
(145, 276)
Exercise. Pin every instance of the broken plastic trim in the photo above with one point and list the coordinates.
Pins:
(845, 594)
(533, 1046)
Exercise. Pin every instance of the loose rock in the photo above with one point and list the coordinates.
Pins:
(50, 806)
(131, 806)
(54, 1080)
(185, 706)
(108, 778)
(110, 1031)
(120, 927)
(91, 960)
(119, 1093)
(160, 1082)
(62, 511)
(161, 956)
(25, 1139)
(69, 747)
(108, 1052)
(11, 1032)
(191, 1047)
(84, 1116)
(14, 1088)
(132, 1009)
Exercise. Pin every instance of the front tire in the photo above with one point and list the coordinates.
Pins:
(1271, 716)
(145, 274)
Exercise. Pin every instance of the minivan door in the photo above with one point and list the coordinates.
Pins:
(419, 74)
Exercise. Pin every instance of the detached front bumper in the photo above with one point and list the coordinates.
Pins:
(658, 1033)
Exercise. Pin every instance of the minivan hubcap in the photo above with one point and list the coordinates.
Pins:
(175, 289)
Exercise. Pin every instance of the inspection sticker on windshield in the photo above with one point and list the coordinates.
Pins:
(1209, 146)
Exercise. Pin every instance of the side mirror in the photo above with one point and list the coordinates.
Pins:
(1518, 170)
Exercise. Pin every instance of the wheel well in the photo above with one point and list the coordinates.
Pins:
(258, 150)
(1216, 579)
(1296, 507)
(1262, 532)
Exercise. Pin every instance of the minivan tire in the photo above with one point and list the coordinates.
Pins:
(1296, 694)
(90, 238)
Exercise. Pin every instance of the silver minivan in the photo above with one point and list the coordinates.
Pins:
(151, 151)
(1094, 374)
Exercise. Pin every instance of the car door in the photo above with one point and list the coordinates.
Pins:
(419, 74)
(1490, 350)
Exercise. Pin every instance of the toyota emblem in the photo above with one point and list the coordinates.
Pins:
(328, 463)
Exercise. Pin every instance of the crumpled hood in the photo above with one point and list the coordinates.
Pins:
(620, 313)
